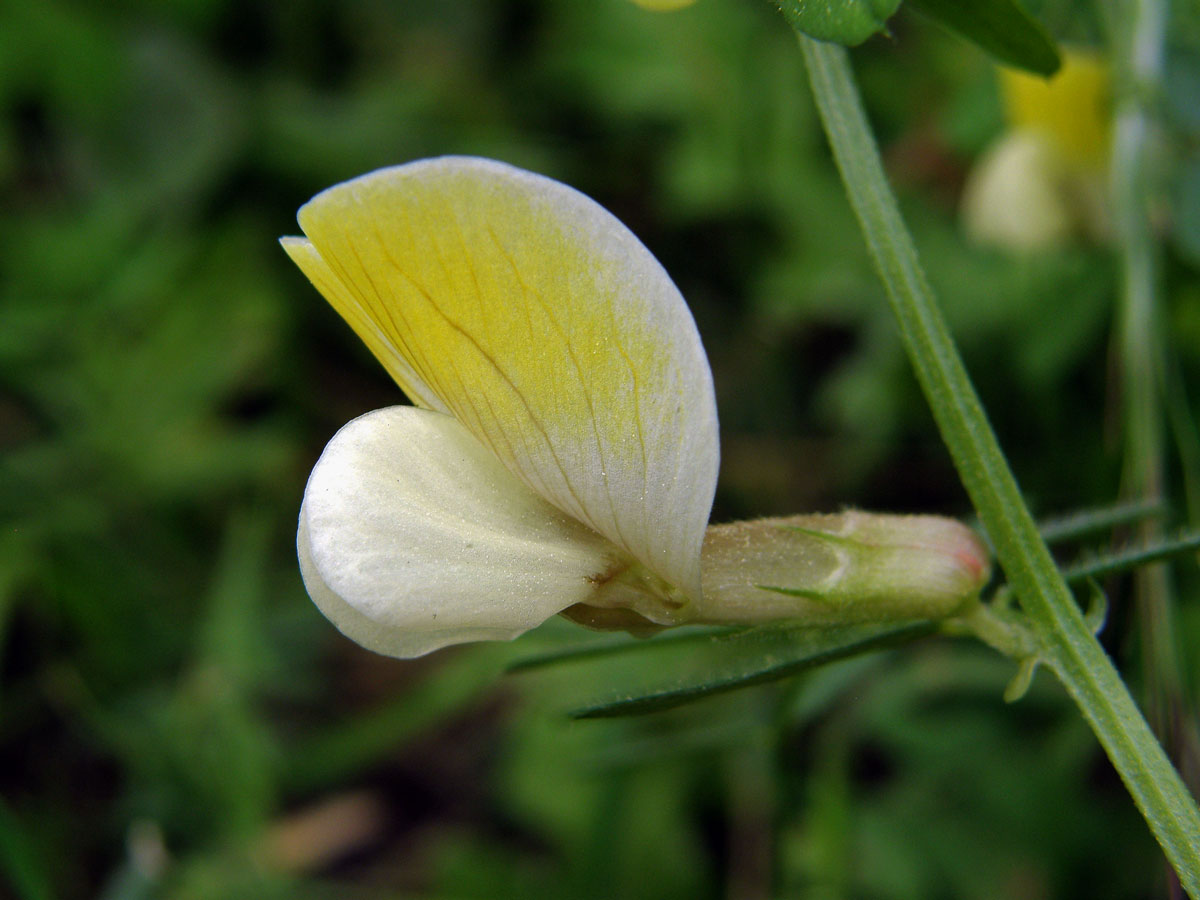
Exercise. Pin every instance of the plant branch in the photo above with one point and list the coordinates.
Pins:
(1137, 32)
(1067, 645)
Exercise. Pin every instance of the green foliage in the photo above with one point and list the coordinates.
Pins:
(171, 706)
(1064, 640)
(627, 679)
(1001, 27)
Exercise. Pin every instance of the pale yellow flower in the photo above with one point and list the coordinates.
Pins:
(1072, 110)
(562, 452)
(1042, 182)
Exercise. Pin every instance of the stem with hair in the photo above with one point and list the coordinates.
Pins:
(1066, 644)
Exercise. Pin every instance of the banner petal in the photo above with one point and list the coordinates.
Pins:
(547, 329)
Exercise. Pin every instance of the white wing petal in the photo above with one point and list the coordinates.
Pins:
(413, 536)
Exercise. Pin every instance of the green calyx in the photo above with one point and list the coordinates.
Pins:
(839, 569)
(847, 22)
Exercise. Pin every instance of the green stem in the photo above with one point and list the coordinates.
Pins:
(1137, 30)
(1067, 645)
(1137, 34)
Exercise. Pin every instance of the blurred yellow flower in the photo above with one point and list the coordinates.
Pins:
(663, 5)
(1073, 110)
(1043, 181)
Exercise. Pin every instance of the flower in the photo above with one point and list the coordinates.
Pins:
(562, 452)
(1042, 182)
(1073, 109)
(563, 447)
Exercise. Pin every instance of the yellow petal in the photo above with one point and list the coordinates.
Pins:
(362, 320)
(542, 324)
(1073, 109)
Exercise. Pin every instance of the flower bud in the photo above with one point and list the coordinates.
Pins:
(839, 569)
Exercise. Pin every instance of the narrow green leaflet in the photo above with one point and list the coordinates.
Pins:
(665, 673)
(847, 22)
(1132, 558)
(1097, 520)
(1001, 27)
(604, 648)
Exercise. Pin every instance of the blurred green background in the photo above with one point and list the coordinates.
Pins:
(177, 720)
